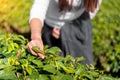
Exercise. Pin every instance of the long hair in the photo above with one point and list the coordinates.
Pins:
(90, 5)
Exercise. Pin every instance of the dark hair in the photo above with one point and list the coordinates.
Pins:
(90, 5)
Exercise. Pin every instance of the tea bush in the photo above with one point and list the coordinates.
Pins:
(106, 39)
(16, 63)
(106, 29)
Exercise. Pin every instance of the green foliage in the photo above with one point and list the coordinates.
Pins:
(106, 40)
(106, 31)
(15, 14)
(16, 63)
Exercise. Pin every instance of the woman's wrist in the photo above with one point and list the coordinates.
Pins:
(35, 36)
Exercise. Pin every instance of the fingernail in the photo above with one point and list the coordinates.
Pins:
(43, 57)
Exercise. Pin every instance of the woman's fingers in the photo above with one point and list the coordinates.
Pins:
(36, 43)
(41, 55)
(30, 44)
(56, 33)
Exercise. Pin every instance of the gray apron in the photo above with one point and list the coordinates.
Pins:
(75, 38)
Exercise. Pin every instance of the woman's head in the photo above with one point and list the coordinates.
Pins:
(90, 5)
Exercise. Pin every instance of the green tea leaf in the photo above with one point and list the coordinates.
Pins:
(50, 68)
(54, 50)
(37, 50)
(8, 73)
(38, 63)
(43, 77)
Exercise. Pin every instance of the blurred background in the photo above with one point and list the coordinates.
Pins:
(14, 16)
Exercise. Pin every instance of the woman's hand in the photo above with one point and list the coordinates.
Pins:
(56, 33)
(36, 42)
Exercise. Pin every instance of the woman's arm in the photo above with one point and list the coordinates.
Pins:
(37, 16)
(36, 27)
(36, 40)
(39, 9)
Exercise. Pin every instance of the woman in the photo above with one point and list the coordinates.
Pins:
(67, 24)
